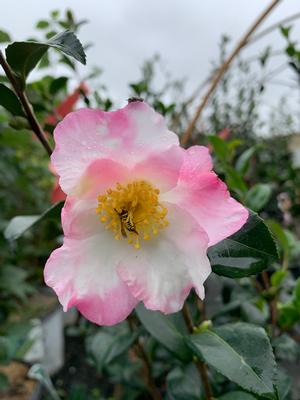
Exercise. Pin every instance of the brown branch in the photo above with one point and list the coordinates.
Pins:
(201, 366)
(37, 129)
(147, 370)
(220, 72)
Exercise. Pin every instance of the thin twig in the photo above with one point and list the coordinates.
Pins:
(220, 72)
(272, 27)
(272, 302)
(201, 307)
(201, 366)
(147, 370)
(37, 129)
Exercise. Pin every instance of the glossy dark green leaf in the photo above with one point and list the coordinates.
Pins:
(20, 224)
(9, 101)
(245, 253)
(4, 37)
(183, 383)
(69, 44)
(162, 328)
(24, 56)
(242, 353)
(258, 196)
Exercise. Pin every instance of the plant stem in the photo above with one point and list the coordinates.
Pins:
(221, 71)
(201, 366)
(36, 127)
(147, 370)
(272, 303)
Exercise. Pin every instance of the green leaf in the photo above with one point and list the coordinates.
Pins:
(13, 282)
(139, 88)
(285, 31)
(42, 24)
(283, 384)
(296, 294)
(235, 181)
(4, 382)
(50, 34)
(245, 253)
(278, 277)
(289, 315)
(105, 347)
(183, 383)
(162, 328)
(19, 225)
(286, 348)
(58, 84)
(9, 101)
(258, 196)
(55, 14)
(237, 395)
(242, 353)
(243, 162)
(280, 235)
(4, 37)
(24, 56)
(69, 44)
(219, 146)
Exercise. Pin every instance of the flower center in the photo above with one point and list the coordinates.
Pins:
(132, 211)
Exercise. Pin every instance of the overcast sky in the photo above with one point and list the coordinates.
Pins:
(126, 32)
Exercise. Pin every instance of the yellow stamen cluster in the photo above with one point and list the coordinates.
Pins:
(132, 211)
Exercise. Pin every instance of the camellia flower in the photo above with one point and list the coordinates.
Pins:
(139, 216)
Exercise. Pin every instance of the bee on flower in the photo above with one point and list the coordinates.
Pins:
(139, 216)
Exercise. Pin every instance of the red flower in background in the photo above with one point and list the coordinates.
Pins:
(67, 105)
(224, 134)
(57, 194)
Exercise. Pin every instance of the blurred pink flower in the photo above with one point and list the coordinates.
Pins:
(139, 216)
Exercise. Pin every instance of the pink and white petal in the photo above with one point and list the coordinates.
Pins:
(197, 159)
(163, 271)
(83, 274)
(207, 198)
(162, 169)
(148, 130)
(129, 134)
(99, 176)
(79, 218)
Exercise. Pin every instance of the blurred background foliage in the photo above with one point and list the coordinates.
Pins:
(259, 170)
